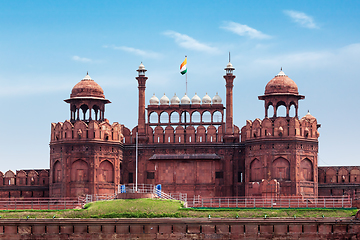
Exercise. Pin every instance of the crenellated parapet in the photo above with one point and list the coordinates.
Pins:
(339, 175)
(281, 127)
(25, 177)
(179, 135)
(82, 131)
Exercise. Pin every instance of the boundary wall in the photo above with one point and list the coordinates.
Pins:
(171, 228)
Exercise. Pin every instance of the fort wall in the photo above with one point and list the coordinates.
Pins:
(329, 228)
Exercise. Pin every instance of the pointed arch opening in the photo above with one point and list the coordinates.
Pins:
(256, 174)
(206, 117)
(292, 110)
(174, 117)
(195, 117)
(79, 171)
(217, 117)
(57, 172)
(306, 170)
(164, 117)
(281, 169)
(106, 172)
(270, 110)
(281, 109)
(185, 117)
(153, 117)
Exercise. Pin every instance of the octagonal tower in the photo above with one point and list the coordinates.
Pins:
(281, 151)
(85, 151)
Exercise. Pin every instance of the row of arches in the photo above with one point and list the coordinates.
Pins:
(280, 170)
(281, 109)
(82, 130)
(24, 178)
(339, 175)
(180, 134)
(79, 172)
(186, 117)
(87, 112)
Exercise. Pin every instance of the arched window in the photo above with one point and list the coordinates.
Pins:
(281, 169)
(185, 117)
(195, 117)
(73, 112)
(206, 117)
(96, 115)
(306, 170)
(174, 117)
(85, 112)
(281, 110)
(256, 173)
(217, 116)
(292, 111)
(164, 117)
(270, 111)
(153, 118)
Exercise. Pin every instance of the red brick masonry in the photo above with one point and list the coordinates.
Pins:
(170, 228)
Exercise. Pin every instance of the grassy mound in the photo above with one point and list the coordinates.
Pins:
(154, 208)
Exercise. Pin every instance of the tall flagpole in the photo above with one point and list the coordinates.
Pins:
(136, 163)
(186, 74)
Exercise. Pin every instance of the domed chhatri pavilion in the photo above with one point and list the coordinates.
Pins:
(187, 145)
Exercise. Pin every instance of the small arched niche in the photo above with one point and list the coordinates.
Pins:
(306, 170)
(106, 171)
(256, 174)
(281, 169)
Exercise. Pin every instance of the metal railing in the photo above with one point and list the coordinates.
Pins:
(151, 189)
(278, 202)
(98, 197)
(40, 203)
(141, 188)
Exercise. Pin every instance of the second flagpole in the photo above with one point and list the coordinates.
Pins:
(186, 75)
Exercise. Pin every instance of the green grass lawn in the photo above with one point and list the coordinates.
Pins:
(150, 208)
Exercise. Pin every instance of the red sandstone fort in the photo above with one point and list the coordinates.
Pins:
(189, 146)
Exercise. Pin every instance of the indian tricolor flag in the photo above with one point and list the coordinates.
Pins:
(183, 68)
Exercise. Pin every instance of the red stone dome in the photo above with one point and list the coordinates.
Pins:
(281, 84)
(87, 88)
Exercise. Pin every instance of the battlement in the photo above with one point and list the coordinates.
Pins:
(280, 127)
(82, 131)
(193, 134)
(25, 178)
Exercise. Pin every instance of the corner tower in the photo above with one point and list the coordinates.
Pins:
(85, 151)
(281, 151)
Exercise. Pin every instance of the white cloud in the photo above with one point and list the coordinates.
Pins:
(80, 59)
(188, 42)
(345, 57)
(244, 30)
(301, 18)
(24, 90)
(136, 51)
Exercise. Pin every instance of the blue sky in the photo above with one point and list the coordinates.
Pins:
(46, 47)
